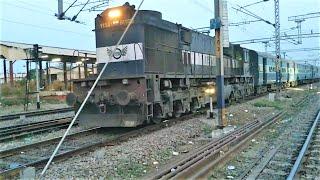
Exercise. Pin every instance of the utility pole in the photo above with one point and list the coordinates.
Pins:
(277, 45)
(5, 71)
(26, 100)
(36, 58)
(220, 69)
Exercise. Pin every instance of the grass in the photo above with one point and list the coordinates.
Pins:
(265, 103)
(207, 129)
(15, 95)
(130, 170)
(165, 154)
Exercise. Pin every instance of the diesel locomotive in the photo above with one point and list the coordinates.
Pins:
(162, 69)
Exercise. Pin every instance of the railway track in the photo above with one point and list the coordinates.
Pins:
(22, 130)
(309, 155)
(35, 113)
(198, 163)
(37, 154)
(284, 160)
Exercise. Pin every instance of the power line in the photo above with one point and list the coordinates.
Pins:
(303, 17)
(234, 7)
(243, 23)
(196, 2)
(258, 2)
(34, 5)
(260, 40)
(44, 27)
(61, 15)
(300, 50)
(26, 8)
(249, 13)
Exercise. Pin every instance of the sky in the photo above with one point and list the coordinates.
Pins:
(33, 21)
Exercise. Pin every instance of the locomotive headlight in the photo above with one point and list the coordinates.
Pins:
(210, 90)
(114, 13)
(125, 81)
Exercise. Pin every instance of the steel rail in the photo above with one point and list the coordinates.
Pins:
(35, 113)
(17, 150)
(210, 152)
(303, 150)
(18, 131)
(14, 172)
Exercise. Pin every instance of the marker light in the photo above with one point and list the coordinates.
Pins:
(125, 81)
(210, 91)
(114, 13)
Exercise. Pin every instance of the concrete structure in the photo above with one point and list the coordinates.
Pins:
(12, 51)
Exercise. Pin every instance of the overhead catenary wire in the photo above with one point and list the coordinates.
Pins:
(249, 13)
(244, 18)
(90, 91)
(27, 8)
(75, 16)
(251, 4)
(36, 10)
(44, 27)
(204, 7)
(34, 5)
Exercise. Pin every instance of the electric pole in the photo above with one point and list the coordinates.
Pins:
(36, 58)
(217, 25)
(277, 45)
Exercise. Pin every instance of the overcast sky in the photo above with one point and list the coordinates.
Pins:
(33, 21)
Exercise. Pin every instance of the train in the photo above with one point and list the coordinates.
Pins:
(163, 69)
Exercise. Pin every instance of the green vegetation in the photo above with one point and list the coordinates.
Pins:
(265, 103)
(207, 129)
(130, 170)
(164, 154)
(15, 95)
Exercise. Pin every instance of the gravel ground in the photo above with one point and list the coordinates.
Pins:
(36, 138)
(130, 159)
(277, 134)
(142, 155)
(5, 110)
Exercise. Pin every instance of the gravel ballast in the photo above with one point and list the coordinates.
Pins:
(143, 155)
